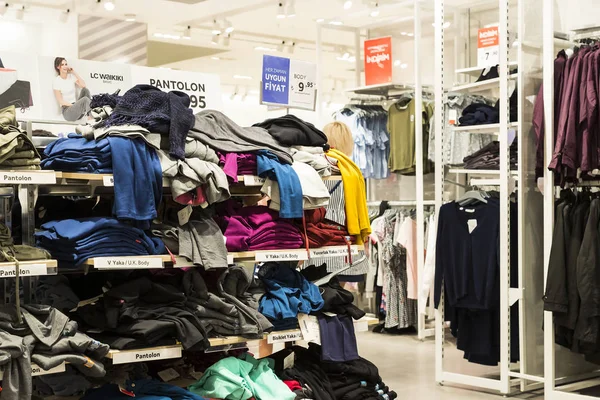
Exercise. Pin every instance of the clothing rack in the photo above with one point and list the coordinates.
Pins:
(402, 203)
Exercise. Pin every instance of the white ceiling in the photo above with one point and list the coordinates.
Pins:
(256, 24)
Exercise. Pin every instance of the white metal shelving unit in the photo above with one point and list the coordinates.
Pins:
(579, 374)
(509, 377)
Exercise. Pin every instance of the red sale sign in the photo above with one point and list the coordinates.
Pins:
(378, 60)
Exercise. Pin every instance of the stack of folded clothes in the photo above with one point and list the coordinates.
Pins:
(257, 228)
(357, 379)
(10, 251)
(287, 294)
(16, 148)
(229, 309)
(489, 157)
(77, 154)
(235, 164)
(290, 130)
(141, 313)
(47, 338)
(73, 241)
(479, 114)
(325, 233)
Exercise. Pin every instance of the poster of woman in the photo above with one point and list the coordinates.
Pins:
(66, 86)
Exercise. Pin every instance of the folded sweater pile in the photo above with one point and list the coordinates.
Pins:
(77, 154)
(257, 228)
(235, 164)
(288, 293)
(73, 241)
(16, 149)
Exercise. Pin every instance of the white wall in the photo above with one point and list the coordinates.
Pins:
(40, 33)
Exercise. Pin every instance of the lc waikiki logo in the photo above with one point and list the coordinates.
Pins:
(107, 78)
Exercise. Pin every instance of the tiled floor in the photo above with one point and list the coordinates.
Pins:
(407, 366)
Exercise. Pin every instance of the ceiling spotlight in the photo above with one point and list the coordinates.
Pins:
(228, 26)
(20, 13)
(320, 20)
(187, 33)
(375, 11)
(280, 11)
(226, 40)
(397, 63)
(410, 34)
(234, 93)
(403, 33)
(130, 17)
(215, 58)
(292, 47)
(347, 5)
(215, 39)
(281, 46)
(159, 35)
(336, 22)
(64, 16)
(109, 6)
(345, 55)
(291, 9)
(216, 30)
(3, 9)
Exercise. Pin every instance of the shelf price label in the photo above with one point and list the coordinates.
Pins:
(24, 270)
(284, 337)
(158, 353)
(335, 252)
(108, 180)
(292, 255)
(253, 180)
(28, 178)
(488, 46)
(128, 262)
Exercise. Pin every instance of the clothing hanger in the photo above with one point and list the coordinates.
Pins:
(472, 197)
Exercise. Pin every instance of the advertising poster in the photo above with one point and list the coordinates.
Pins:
(204, 89)
(67, 89)
(488, 45)
(378, 61)
(19, 84)
(289, 83)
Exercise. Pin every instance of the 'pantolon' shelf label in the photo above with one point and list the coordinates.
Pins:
(108, 180)
(128, 262)
(28, 177)
(292, 255)
(158, 353)
(24, 270)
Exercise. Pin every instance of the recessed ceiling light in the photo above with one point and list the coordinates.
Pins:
(410, 34)
(215, 58)
(216, 30)
(264, 48)
(397, 63)
(158, 35)
(245, 77)
(109, 6)
(228, 26)
(130, 17)
(403, 66)
(403, 33)
(336, 22)
(374, 13)
(319, 20)
(347, 5)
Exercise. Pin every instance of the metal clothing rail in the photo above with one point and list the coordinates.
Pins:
(402, 203)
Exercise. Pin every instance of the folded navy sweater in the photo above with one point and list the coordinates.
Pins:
(77, 154)
(73, 241)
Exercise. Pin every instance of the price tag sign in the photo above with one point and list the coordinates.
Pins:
(28, 178)
(294, 255)
(128, 262)
(253, 180)
(284, 337)
(303, 85)
(108, 180)
(158, 353)
(36, 370)
(488, 45)
(24, 270)
(333, 252)
(288, 83)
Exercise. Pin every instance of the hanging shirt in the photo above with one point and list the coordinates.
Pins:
(407, 237)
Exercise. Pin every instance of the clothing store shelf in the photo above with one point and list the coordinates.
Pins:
(159, 261)
(483, 129)
(107, 179)
(384, 89)
(476, 71)
(478, 171)
(489, 85)
(28, 268)
(175, 351)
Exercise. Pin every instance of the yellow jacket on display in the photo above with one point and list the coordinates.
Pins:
(355, 196)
